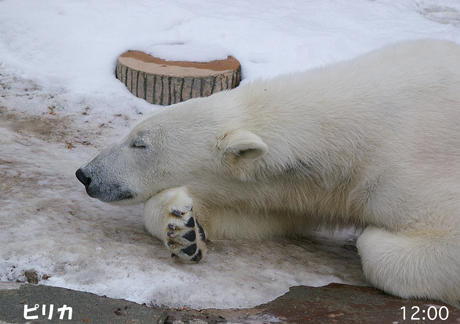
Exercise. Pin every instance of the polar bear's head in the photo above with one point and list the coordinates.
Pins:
(170, 148)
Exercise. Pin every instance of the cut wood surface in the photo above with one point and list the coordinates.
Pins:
(164, 82)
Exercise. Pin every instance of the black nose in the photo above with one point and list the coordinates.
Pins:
(82, 177)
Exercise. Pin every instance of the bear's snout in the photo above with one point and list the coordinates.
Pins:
(106, 191)
(82, 177)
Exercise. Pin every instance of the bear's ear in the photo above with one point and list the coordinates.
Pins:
(243, 144)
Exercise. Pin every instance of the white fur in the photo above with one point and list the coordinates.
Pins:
(372, 142)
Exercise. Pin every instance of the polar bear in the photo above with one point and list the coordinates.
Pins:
(372, 142)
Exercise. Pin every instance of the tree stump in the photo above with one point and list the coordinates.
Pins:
(165, 83)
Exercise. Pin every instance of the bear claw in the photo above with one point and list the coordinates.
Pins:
(177, 213)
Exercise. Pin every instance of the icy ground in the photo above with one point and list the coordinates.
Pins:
(60, 104)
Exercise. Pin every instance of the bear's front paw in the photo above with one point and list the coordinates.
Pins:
(186, 238)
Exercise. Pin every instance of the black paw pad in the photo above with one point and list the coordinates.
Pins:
(189, 250)
(190, 236)
(197, 257)
(190, 222)
(202, 234)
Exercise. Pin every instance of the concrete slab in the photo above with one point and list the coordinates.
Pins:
(334, 303)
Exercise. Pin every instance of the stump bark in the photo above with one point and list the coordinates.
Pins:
(165, 83)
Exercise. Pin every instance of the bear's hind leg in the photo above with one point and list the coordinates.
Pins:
(170, 217)
(418, 264)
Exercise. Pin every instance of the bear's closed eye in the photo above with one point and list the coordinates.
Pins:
(138, 144)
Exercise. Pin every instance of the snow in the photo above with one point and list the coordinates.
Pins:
(60, 104)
